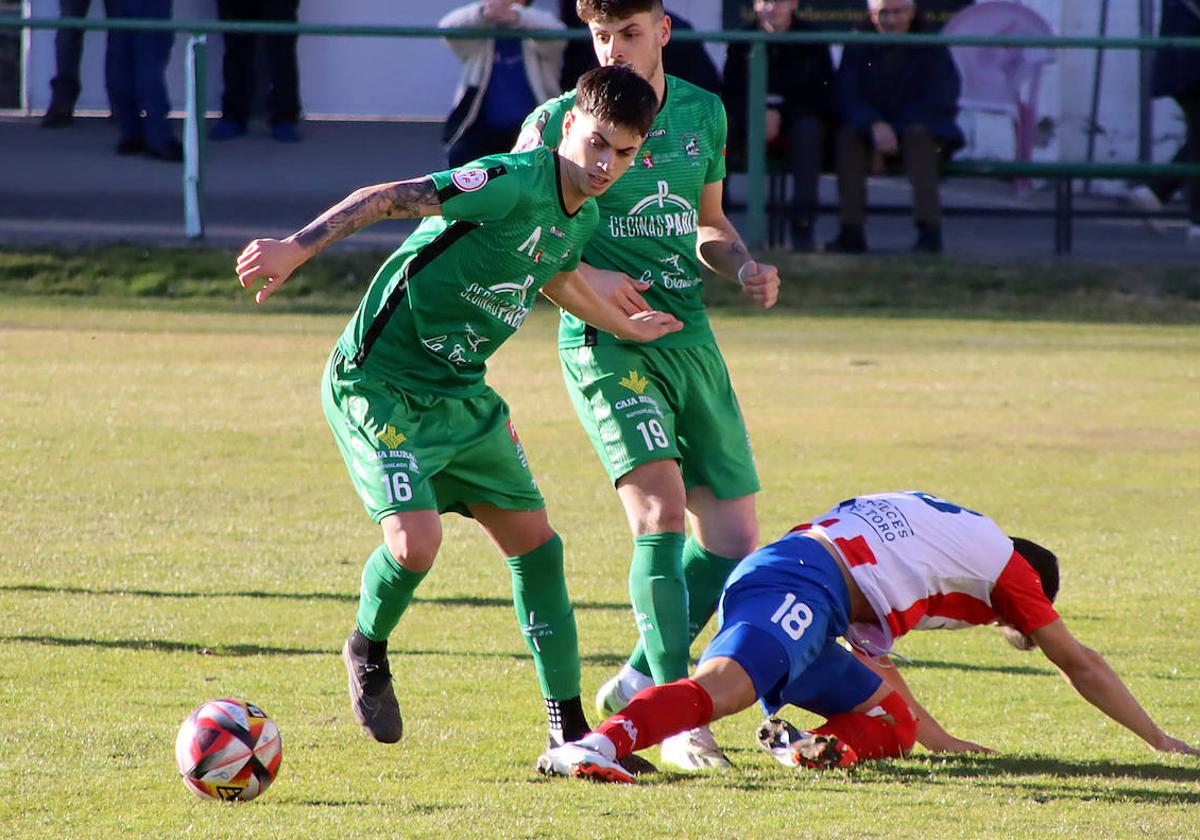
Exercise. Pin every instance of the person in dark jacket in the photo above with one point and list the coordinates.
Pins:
(686, 59)
(1176, 74)
(894, 102)
(799, 107)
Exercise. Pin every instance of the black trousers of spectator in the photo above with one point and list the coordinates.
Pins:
(68, 48)
(922, 157)
(802, 144)
(1189, 152)
(238, 67)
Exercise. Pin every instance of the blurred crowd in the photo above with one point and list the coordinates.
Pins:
(878, 109)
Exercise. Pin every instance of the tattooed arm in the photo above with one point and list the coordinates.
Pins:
(721, 248)
(274, 260)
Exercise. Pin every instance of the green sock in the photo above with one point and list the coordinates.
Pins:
(386, 591)
(704, 574)
(547, 619)
(660, 604)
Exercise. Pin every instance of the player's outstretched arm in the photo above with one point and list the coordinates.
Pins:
(720, 247)
(930, 733)
(1096, 682)
(569, 290)
(271, 261)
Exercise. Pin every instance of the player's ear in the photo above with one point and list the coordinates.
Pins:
(664, 30)
(568, 121)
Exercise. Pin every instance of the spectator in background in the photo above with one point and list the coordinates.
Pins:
(799, 107)
(68, 47)
(503, 78)
(1177, 75)
(134, 67)
(688, 60)
(238, 70)
(896, 103)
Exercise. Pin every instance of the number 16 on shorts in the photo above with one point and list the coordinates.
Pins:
(793, 617)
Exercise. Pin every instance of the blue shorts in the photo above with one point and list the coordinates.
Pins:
(781, 613)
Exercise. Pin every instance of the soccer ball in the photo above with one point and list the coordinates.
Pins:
(228, 749)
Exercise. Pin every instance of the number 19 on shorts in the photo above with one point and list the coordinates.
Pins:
(654, 435)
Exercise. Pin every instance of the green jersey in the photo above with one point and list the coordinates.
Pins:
(463, 282)
(648, 218)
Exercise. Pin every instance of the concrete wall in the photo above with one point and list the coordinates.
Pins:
(415, 78)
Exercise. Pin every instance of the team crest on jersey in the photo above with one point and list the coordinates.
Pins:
(691, 145)
(469, 180)
(648, 160)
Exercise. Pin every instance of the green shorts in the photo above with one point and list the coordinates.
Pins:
(425, 452)
(641, 404)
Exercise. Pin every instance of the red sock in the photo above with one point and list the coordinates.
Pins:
(873, 737)
(656, 713)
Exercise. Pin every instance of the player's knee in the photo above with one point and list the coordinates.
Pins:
(413, 549)
(657, 515)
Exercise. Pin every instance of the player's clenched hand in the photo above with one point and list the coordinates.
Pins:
(270, 262)
(619, 289)
(649, 325)
(760, 283)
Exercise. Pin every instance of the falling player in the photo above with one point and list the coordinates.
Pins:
(870, 569)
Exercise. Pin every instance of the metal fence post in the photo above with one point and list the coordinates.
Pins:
(193, 137)
(756, 158)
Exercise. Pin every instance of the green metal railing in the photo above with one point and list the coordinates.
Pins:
(756, 170)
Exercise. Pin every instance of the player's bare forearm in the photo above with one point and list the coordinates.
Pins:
(719, 247)
(574, 294)
(396, 200)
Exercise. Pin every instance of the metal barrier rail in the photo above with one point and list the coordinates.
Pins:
(756, 170)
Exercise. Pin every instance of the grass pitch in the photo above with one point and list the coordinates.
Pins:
(176, 526)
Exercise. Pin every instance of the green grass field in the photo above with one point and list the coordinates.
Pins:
(176, 526)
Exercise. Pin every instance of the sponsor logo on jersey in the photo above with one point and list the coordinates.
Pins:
(469, 180)
(554, 231)
(635, 382)
(498, 301)
(660, 214)
(390, 437)
(657, 132)
(691, 145)
(473, 338)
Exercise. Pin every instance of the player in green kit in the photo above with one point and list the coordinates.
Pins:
(404, 393)
(663, 416)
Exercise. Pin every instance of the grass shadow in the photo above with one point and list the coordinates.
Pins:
(1025, 670)
(238, 650)
(966, 765)
(444, 601)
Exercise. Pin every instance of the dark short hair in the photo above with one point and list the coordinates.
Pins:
(589, 10)
(1043, 562)
(618, 95)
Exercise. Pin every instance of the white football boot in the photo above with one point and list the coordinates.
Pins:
(694, 749)
(583, 763)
